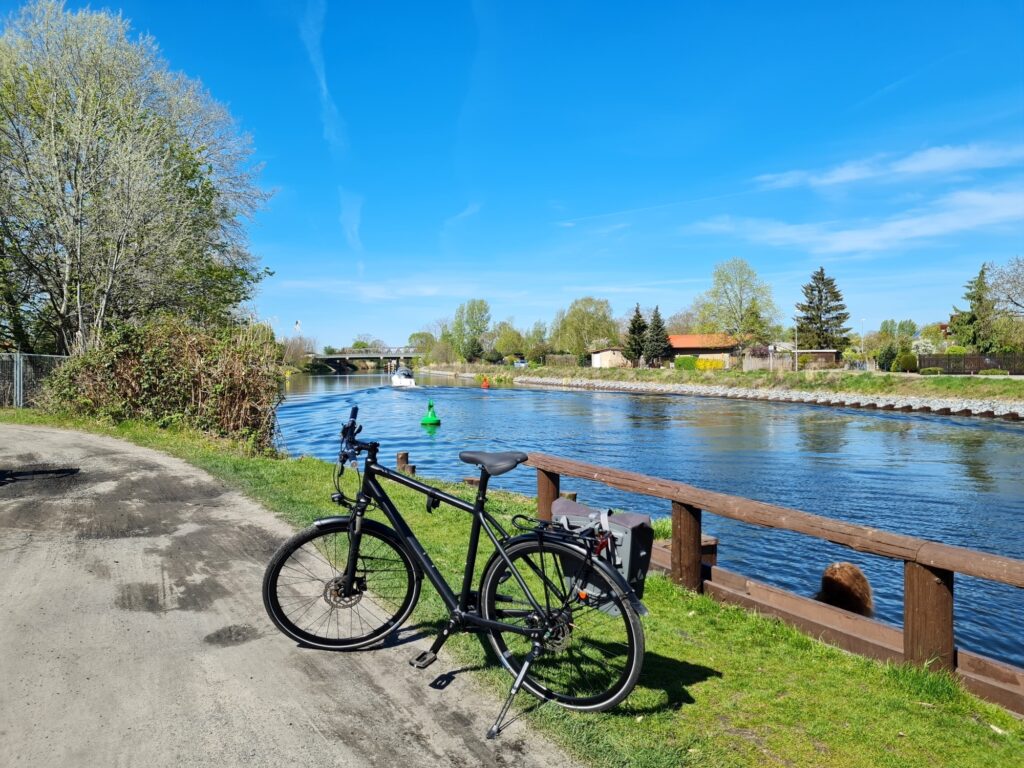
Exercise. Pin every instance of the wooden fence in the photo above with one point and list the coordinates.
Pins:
(927, 635)
(970, 364)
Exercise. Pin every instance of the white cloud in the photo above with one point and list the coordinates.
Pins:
(933, 161)
(962, 211)
(311, 30)
(350, 217)
(471, 209)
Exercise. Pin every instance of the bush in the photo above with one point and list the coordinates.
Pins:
(225, 381)
(930, 371)
(905, 362)
(709, 365)
(955, 350)
(804, 360)
(886, 356)
(686, 363)
(993, 372)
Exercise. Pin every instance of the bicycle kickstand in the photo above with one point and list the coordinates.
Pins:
(517, 683)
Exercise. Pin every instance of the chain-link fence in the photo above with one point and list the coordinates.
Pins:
(22, 376)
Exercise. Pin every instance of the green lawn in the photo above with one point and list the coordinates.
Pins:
(720, 687)
(980, 387)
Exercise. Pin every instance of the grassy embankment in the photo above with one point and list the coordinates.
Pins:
(720, 687)
(973, 387)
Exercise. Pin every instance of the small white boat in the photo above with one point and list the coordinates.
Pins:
(402, 377)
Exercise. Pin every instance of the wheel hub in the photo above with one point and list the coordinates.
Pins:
(559, 632)
(334, 593)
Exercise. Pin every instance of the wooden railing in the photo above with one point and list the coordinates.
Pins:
(927, 636)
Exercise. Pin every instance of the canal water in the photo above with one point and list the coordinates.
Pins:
(955, 480)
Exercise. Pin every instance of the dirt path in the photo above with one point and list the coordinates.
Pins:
(132, 633)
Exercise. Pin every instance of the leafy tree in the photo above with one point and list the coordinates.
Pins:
(586, 321)
(329, 350)
(974, 327)
(737, 302)
(366, 341)
(535, 343)
(507, 340)
(422, 341)
(635, 337)
(899, 334)
(656, 344)
(470, 323)
(821, 323)
(122, 185)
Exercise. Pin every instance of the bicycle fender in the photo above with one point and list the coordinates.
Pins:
(324, 522)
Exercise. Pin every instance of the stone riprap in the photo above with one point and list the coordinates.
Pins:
(1005, 409)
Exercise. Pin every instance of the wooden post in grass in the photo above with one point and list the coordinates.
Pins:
(547, 492)
(928, 616)
(402, 461)
(686, 545)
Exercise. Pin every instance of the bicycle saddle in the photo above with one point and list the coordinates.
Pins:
(494, 463)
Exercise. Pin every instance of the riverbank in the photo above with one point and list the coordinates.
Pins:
(993, 397)
(720, 686)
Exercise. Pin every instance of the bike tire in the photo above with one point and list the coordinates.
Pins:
(593, 656)
(301, 586)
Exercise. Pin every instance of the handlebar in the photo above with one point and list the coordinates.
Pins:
(350, 447)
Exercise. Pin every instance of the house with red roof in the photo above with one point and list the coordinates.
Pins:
(702, 343)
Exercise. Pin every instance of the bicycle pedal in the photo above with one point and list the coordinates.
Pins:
(424, 660)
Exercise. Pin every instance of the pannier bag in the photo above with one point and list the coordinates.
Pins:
(632, 537)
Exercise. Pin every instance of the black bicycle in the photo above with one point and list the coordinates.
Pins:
(559, 617)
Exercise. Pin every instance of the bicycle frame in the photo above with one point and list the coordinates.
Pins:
(457, 604)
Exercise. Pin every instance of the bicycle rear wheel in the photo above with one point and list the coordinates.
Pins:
(593, 648)
(303, 587)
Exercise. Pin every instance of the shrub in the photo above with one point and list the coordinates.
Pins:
(709, 365)
(686, 363)
(905, 362)
(930, 371)
(804, 360)
(993, 372)
(886, 356)
(955, 350)
(225, 381)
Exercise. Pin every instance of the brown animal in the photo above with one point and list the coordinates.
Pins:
(845, 586)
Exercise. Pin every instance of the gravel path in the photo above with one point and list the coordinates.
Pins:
(1012, 410)
(132, 633)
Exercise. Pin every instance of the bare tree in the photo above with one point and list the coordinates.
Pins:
(125, 183)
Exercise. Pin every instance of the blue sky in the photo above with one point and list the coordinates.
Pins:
(531, 153)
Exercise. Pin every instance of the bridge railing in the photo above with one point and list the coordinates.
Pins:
(368, 352)
(927, 635)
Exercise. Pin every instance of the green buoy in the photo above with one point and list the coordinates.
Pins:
(431, 419)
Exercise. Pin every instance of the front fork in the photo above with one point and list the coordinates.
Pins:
(355, 535)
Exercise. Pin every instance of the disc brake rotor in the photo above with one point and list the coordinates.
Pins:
(334, 593)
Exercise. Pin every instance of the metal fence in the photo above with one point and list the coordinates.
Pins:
(968, 364)
(22, 376)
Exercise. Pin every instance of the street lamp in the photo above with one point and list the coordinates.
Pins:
(863, 347)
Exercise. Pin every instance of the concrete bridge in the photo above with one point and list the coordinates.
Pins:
(341, 359)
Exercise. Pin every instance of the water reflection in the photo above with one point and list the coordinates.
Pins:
(959, 481)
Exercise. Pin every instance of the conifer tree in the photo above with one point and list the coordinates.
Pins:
(634, 347)
(656, 344)
(822, 318)
(973, 327)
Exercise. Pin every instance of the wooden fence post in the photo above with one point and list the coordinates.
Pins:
(547, 492)
(402, 461)
(686, 545)
(928, 616)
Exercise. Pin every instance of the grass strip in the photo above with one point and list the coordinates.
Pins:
(720, 686)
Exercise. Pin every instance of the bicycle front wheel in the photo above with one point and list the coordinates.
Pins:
(593, 645)
(304, 586)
